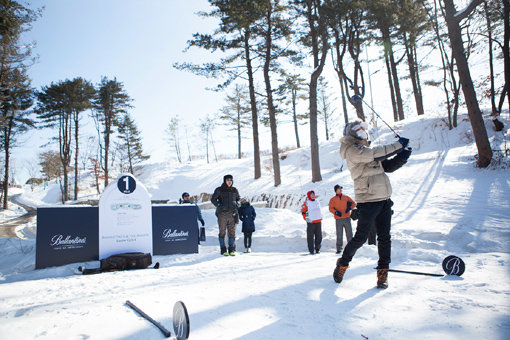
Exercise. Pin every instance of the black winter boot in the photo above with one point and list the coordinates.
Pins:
(232, 251)
(224, 251)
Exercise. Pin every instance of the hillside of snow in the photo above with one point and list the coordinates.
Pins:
(443, 205)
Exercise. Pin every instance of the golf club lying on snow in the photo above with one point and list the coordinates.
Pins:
(180, 320)
(452, 265)
(356, 99)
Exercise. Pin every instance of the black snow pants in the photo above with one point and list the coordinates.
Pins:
(314, 236)
(378, 213)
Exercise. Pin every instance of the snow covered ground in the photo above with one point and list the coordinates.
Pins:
(443, 205)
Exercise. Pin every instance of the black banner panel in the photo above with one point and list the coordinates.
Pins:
(174, 229)
(66, 235)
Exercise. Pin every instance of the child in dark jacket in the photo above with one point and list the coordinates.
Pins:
(247, 216)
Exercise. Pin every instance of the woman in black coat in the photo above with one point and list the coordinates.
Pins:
(247, 215)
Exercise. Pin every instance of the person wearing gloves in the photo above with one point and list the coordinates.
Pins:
(341, 206)
(372, 192)
(185, 199)
(226, 200)
(311, 211)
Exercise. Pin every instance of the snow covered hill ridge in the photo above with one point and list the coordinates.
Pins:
(429, 137)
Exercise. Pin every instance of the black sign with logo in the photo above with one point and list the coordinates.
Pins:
(66, 235)
(71, 234)
(174, 229)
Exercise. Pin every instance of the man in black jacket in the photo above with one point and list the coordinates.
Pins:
(226, 200)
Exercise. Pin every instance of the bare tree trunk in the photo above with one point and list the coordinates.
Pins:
(269, 93)
(396, 82)
(5, 188)
(294, 116)
(314, 15)
(474, 112)
(392, 89)
(491, 58)
(76, 170)
(254, 113)
(413, 73)
(506, 47)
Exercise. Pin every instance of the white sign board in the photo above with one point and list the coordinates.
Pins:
(125, 218)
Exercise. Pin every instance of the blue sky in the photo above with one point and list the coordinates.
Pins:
(137, 42)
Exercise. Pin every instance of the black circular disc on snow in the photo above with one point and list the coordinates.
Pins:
(453, 265)
(181, 321)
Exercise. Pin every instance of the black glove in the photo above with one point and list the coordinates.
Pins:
(349, 204)
(202, 222)
(403, 141)
(338, 213)
(355, 214)
(405, 154)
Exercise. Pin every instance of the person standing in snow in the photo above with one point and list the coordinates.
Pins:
(187, 200)
(311, 211)
(247, 216)
(226, 200)
(372, 191)
(341, 206)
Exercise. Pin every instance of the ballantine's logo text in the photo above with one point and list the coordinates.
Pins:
(169, 233)
(59, 240)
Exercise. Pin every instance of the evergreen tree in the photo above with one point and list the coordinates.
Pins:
(131, 143)
(317, 41)
(293, 89)
(236, 113)
(15, 91)
(15, 119)
(81, 93)
(324, 105)
(110, 104)
(55, 111)
(236, 32)
(347, 21)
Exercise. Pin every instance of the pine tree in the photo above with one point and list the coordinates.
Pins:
(317, 42)
(237, 33)
(236, 113)
(110, 104)
(293, 89)
(131, 143)
(15, 89)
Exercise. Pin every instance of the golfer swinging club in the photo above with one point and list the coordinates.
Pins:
(372, 190)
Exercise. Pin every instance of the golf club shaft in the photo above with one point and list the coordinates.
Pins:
(415, 273)
(154, 322)
(396, 134)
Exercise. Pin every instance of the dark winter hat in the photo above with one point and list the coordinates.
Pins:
(226, 177)
(338, 187)
(309, 194)
(184, 194)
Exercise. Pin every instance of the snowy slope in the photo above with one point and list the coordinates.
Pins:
(443, 205)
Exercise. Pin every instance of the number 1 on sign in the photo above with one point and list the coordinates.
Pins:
(126, 179)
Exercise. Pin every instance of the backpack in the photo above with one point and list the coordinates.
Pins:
(126, 261)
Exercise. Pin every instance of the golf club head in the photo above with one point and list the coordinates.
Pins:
(453, 265)
(181, 321)
(356, 99)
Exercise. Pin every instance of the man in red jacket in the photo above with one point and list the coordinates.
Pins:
(341, 206)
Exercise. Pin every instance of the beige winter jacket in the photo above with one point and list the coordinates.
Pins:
(371, 184)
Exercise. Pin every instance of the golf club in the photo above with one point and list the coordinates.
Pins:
(357, 99)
